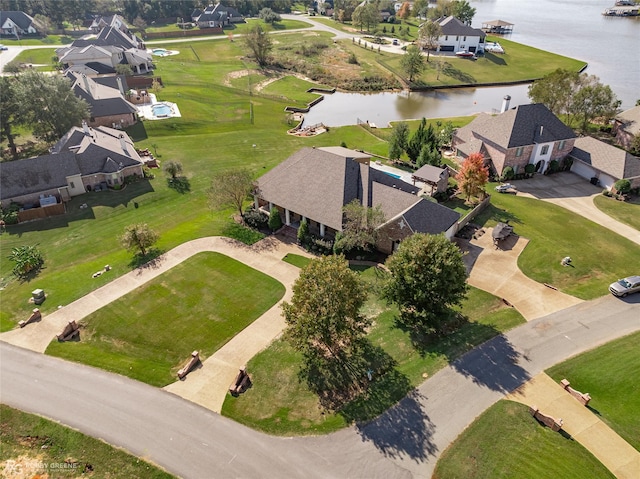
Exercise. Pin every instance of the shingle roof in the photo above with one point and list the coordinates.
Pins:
(103, 100)
(19, 18)
(606, 158)
(430, 217)
(428, 173)
(452, 26)
(631, 120)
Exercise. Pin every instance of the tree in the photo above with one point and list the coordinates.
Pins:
(44, 24)
(269, 16)
(428, 36)
(140, 24)
(405, 11)
(54, 109)
(428, 277)
(593, 100)
(635, 144)
(473, 175)
(124, 69)
(275, 222)
(27, 259)
(260, 44)
(173, 169)
(11, 113)
(429, 155)
(398, 139)
(138, 237)
(424, 135)
(554, 90)
(412, 62)
(463, 11)
(360, 227)
(324, 321)
(366, 15)
(230, 188)
(444, 135)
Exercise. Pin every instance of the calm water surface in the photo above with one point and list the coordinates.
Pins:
(574, 28)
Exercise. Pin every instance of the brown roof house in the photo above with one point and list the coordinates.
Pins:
(595, 159)
(527, 134)
(85, 159)
(626, 126)
(315, 183)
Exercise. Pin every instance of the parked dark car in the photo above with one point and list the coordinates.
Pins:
(625, 286)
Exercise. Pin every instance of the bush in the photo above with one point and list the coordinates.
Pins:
(530, 168)
(275, 222)
(353, 60)
(507, 173)
(322, 246)
(10, 214)
(256, 219)
(622, 186)
(606, 192)
(566, 164)
(554, 166)
(303, 232)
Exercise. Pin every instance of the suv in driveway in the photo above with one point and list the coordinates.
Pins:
(625, 286)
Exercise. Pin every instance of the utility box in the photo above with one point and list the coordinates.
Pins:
(38, 296)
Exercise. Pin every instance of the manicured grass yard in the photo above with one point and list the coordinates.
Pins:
(30, 440)
(198, 305)
(610, 375)
(554, 233)
(623, 211)
(296, 260)
(278, 403)
(505, 442)
(294, 89)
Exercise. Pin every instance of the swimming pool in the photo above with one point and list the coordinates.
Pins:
(161, 110)
(161, 52)
(397, 177)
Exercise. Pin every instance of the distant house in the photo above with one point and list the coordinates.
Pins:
(527, 134)
(626, 126)
(85, 159)
(216, 16)
(456, 36)
(106, 99)
(314, 184)
(18, 24)
(595, 159)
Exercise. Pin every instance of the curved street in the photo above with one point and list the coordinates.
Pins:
(192, 442)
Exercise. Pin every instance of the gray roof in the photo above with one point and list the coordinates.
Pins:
(521, 126)
(610, 160)
(452, 26)
(430, 217)
(630, 119)
(102, 99)
(19, 18)
(428, 173)
(318, 182)
(34, 175)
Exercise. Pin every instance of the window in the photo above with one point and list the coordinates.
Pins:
(72, 185)
(446, 37)
(457, 38)
(545, 150)
(562, 144)
(464, 39)
(519, 151)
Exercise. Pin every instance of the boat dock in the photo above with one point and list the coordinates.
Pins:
(622, 11)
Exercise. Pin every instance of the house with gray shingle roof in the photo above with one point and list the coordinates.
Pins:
(16, 23)
(85, 159)
(216, 16)
(456, 36)
(527, 134)
(626, 126)
(595, 159)
(314, 184)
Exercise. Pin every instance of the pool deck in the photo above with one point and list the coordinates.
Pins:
(404, 175)
(146, 113)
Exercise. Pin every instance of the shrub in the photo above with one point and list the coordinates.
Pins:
(10, 214)
(27, 259)
(255, 219)
(554, 166)
(275, 222)
(606, 192)
(566, 164)
(622, 186)
(303, 232)
(507, 173)
(353, 60)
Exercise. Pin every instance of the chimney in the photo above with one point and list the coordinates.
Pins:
(505, 103)
(120, 87)
(541, 131)
(85, 127)
(123, 144)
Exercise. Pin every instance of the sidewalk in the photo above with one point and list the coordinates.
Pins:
(583, 425)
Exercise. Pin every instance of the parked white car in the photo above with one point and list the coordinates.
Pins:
(625, 286)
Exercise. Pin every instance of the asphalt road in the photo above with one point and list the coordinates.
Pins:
(192, 442)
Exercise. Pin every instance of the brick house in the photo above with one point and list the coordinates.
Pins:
(314, 184)
(527, 134)
(626, 126)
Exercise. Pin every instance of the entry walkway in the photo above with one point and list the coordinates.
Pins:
(584, 426)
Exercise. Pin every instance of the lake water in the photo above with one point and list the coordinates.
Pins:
(574, 28)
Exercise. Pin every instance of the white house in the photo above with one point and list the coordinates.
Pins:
(456, 36)
(18, 23)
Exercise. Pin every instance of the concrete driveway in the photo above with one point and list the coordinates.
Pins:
(576, 195)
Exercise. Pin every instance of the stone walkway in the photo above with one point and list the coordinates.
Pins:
(583, 425)
(496, 271)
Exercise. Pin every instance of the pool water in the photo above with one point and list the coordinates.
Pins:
(160, 51)
(397, 177)
(161, 110)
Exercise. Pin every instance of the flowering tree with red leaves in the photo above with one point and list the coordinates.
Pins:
(473, 176)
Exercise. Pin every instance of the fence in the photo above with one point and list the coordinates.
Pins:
(473, 213)
(38, 213)
(184, 33)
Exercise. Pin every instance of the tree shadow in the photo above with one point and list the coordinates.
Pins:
(449, 70)
(492, 212)
(150, 260)
(495, 59)
(137, 131)
(180, 183)
(404, 429)
(31, 275)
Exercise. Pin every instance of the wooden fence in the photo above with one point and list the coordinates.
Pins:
(38, 213)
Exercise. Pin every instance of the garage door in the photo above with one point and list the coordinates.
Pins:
(582, 169)
(447, 48)
(606, 181)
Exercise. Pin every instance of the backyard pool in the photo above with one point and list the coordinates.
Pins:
(397, 177)
(161, 110)
(161, 52)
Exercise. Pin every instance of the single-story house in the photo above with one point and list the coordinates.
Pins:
(83, 160)
(16, 23)
(216, 16)
(526, 134)
(435, 177)
(595, 159)
(106, 99)
(626, 126)
(314, 184)
(456, 36)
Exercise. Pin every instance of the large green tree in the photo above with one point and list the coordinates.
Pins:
(424, 135)
(592, 101)
(412, 62)
(260, 44)
(11, 113)
(428, 36)
(360, 227)
(230, 188)
(554, 90)
(398, 139)
(138, 237)
(428, 277)
(49, 105)
(366, 15)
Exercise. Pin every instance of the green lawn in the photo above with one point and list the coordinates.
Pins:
(37, 56)
(296, 260)
(554, 233)
(199, 304)
(623, 211)
(610, 375)
(278, 403)
(293, 89)
(31, 440)
(505, 442)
